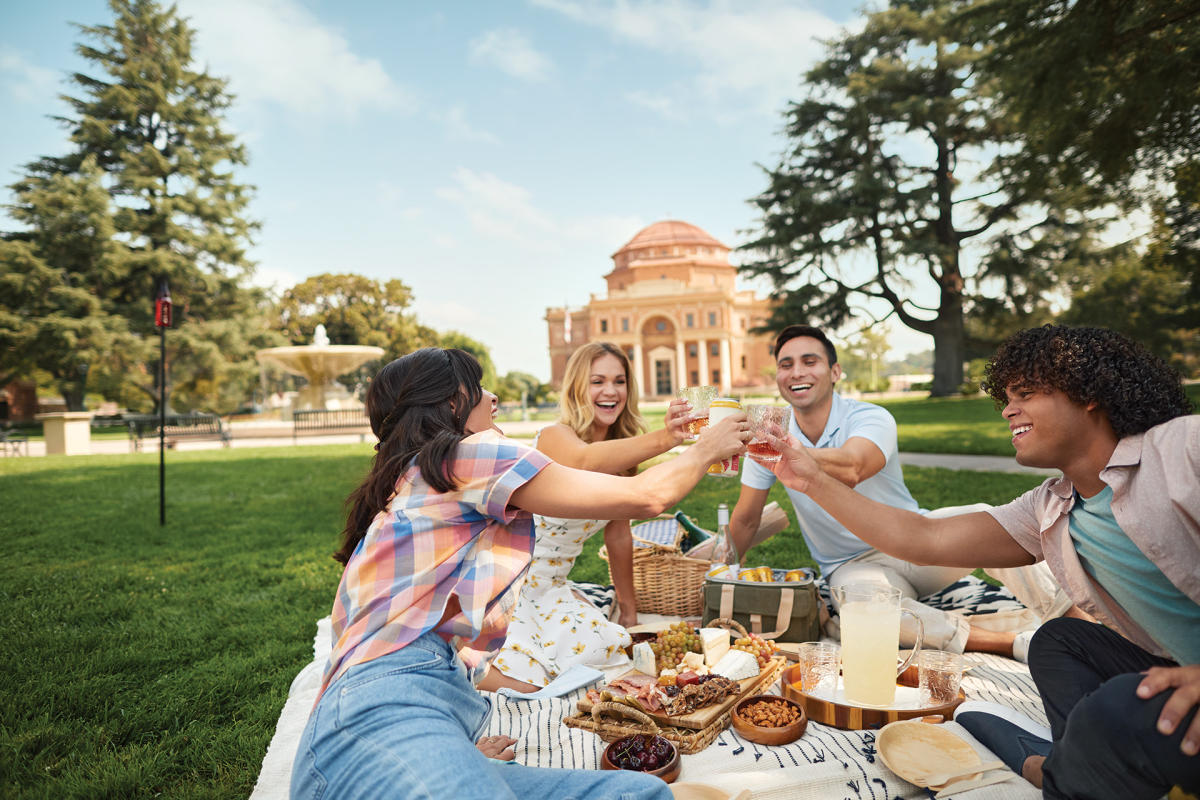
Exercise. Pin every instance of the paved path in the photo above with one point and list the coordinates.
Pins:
(279, 435)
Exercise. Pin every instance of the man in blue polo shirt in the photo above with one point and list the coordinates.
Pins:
(854, 442)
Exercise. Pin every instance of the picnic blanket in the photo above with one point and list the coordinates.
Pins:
(825, 763)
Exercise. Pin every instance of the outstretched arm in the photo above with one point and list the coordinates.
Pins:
(966, 540)
(559, 491)
(853, 462)
(614, 456)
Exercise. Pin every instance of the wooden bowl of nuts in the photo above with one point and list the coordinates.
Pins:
(769, 719)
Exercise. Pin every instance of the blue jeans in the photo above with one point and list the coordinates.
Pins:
(404, 726)
(1105, 740)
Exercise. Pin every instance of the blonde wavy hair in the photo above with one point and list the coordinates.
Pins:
(576, 410)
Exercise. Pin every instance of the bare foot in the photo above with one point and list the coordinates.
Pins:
(499, 747)
(1031, 770)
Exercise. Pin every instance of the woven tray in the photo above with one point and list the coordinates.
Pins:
(633, 721)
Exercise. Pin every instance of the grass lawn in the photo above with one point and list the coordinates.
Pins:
(144, 661)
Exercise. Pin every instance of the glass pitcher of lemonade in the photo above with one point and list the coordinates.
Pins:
(870, 621)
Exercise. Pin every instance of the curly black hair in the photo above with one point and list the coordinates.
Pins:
(1136, 389)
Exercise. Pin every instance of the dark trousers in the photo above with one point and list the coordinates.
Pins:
(1106, 743)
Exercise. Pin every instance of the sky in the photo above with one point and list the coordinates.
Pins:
(492, 155)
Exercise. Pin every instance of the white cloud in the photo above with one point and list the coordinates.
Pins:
(510, 51)
(751, 50)
(26, 81)
(498, 209)
(661, 104)
(276, 280)
(278, 53)
(458, 129)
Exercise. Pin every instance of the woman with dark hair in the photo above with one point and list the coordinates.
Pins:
(554, 627)
(436, 545)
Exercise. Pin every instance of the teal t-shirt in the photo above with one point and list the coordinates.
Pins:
(1170, 617)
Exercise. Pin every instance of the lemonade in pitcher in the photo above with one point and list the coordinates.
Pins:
(870, 639)
(870, 621)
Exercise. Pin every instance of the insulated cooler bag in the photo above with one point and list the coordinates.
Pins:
(785, 612)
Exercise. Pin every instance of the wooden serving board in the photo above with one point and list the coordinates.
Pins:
(703, 717)
(854, 718)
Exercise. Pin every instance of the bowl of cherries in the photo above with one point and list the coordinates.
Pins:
(643, 752)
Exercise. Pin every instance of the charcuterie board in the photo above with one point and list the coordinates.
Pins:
(703, 717)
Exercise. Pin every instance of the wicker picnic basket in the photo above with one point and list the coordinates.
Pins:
(665, 580)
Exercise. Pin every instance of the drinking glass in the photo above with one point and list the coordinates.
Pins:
(819, 665)
(940, 674)
(699, 398)
(764, 420)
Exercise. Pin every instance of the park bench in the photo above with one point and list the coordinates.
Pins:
(331, 420)
(11, 441)
(176, 427)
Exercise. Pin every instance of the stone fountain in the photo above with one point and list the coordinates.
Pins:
(320, 363)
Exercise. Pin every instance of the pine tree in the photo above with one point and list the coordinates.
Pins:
(153, 124)
(897, 161)
(51, 276)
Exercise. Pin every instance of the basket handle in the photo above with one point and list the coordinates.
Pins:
(622, 709)
(726, 622)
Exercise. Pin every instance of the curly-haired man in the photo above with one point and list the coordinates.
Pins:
(1120, 530)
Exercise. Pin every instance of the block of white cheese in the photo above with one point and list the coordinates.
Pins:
(643, 659)
(737, 665)
(692, 661)
(714, 644)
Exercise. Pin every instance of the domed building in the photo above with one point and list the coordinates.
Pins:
(673, 306)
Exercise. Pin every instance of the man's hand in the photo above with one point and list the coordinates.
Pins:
(796, 468)
(1186, 682)
(679, 413)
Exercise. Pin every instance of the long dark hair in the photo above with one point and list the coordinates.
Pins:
(418, 406)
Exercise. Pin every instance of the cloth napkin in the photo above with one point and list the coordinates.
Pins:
(574, 678)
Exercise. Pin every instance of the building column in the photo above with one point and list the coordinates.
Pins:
(638, 369)
(726, 367)
(702, 350)
(681, 378)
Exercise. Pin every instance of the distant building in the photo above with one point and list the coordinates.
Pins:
(673, 306)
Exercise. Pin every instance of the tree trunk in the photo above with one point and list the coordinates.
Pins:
(949, 347)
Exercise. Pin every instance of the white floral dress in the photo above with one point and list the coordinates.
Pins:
(552, 628)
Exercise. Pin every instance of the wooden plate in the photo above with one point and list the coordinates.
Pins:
(917, 751)
(850, 717)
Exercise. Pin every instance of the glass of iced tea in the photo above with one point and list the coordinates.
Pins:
(764, 420)
(699, 398)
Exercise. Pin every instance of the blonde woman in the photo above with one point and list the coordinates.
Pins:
(599, 429)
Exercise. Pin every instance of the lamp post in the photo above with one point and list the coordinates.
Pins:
(162, 321)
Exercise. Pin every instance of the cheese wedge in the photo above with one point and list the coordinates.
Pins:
(692, 661)
(643, 659)
(737, 665)
(714, 643)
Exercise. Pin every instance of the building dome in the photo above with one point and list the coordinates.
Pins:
(669, 232)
